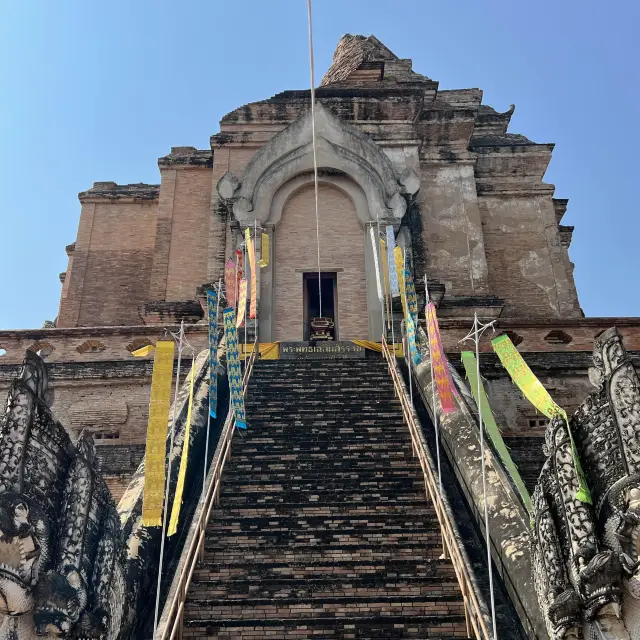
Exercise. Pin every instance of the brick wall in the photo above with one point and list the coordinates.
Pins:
(188, 253)
(111, 267)
(341, 247)
(524, 258)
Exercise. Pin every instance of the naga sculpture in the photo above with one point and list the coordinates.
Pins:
(585, 557)
(61, 551)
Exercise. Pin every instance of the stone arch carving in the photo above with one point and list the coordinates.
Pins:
(42, 348)
(339, 146)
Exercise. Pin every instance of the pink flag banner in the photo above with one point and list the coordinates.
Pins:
(230, 283)
(444, 383)
(251, 252)
(242, 302)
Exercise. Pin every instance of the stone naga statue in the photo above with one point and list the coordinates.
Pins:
(586, 557)
(61, 551)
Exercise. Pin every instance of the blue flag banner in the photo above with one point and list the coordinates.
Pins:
(393, 276)
(236, 394)
(212, 312)
(412, 298)
(411, 336)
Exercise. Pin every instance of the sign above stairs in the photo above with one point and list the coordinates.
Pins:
(320, 350)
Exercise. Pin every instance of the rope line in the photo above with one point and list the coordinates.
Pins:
(313, 142)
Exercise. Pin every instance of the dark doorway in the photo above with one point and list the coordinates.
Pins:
(314, 327)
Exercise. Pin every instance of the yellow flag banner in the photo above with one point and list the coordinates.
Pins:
(385, 278)
(182, 472)
(264, 253)
(377, 346)
(253, 306)
(242, 302)
(143, 351)
(155, 456)
(538, 396)
(399, 259)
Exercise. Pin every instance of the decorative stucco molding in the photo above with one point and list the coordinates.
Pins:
(340, 147)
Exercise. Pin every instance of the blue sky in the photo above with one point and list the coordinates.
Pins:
(99, 90)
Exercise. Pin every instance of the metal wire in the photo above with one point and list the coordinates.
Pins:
(313, 142)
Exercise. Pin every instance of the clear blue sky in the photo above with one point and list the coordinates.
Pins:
(99, 90)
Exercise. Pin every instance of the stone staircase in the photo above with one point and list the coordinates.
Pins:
(323, 529)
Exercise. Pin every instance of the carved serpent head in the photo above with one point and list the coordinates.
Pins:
(24, 548)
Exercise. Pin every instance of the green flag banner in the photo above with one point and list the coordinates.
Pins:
(539, 397)
(469, 362)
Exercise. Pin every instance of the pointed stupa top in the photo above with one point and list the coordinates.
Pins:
(361, 59)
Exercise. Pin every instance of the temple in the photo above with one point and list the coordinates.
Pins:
(479, 228)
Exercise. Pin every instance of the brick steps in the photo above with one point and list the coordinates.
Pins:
(323, 530)
(420, 572)
(338, 628)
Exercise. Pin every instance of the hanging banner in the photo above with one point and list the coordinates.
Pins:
(375, 261)
(184, 457)
(156, 448)
(264, 251)
(242, 302)
(399, 260)
(470, 366)
(410, 292)
(393, 274)
(411, 338)
(538, 396)
(253, 306)
(212, 312)
(444, 383)
(239, 269)
(230, 283)
(236, 392)
(385, 279)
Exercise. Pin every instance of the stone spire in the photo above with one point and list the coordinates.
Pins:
(363, 60)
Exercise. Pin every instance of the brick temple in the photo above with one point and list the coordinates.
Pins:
(326, 442)
(466, 197)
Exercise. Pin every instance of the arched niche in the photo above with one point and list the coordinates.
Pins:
(371, 311)
(340, 147)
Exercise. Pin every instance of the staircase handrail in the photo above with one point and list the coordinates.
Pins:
(172, 620)
(473, 610)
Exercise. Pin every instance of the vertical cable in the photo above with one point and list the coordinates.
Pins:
(313, 142)
(168, 478)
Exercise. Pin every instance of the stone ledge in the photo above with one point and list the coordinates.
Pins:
(108, 191)
(103, 370)
(187, 157)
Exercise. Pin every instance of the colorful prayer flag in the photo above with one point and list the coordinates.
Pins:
(393, 274)
(385, 279)
(212, 312)
(444, 383)
(399, 261)
(412, 298)
(470, 366)
(411, 338)
(230, 283)
(236, 391)
(374, 246)
(184, 458)
(538, 396)
(253, 306)
(156, 449)
(242, 302)
(264, 251)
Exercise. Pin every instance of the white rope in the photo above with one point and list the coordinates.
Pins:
(474, 335)
(313, 142)
(166, 485)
